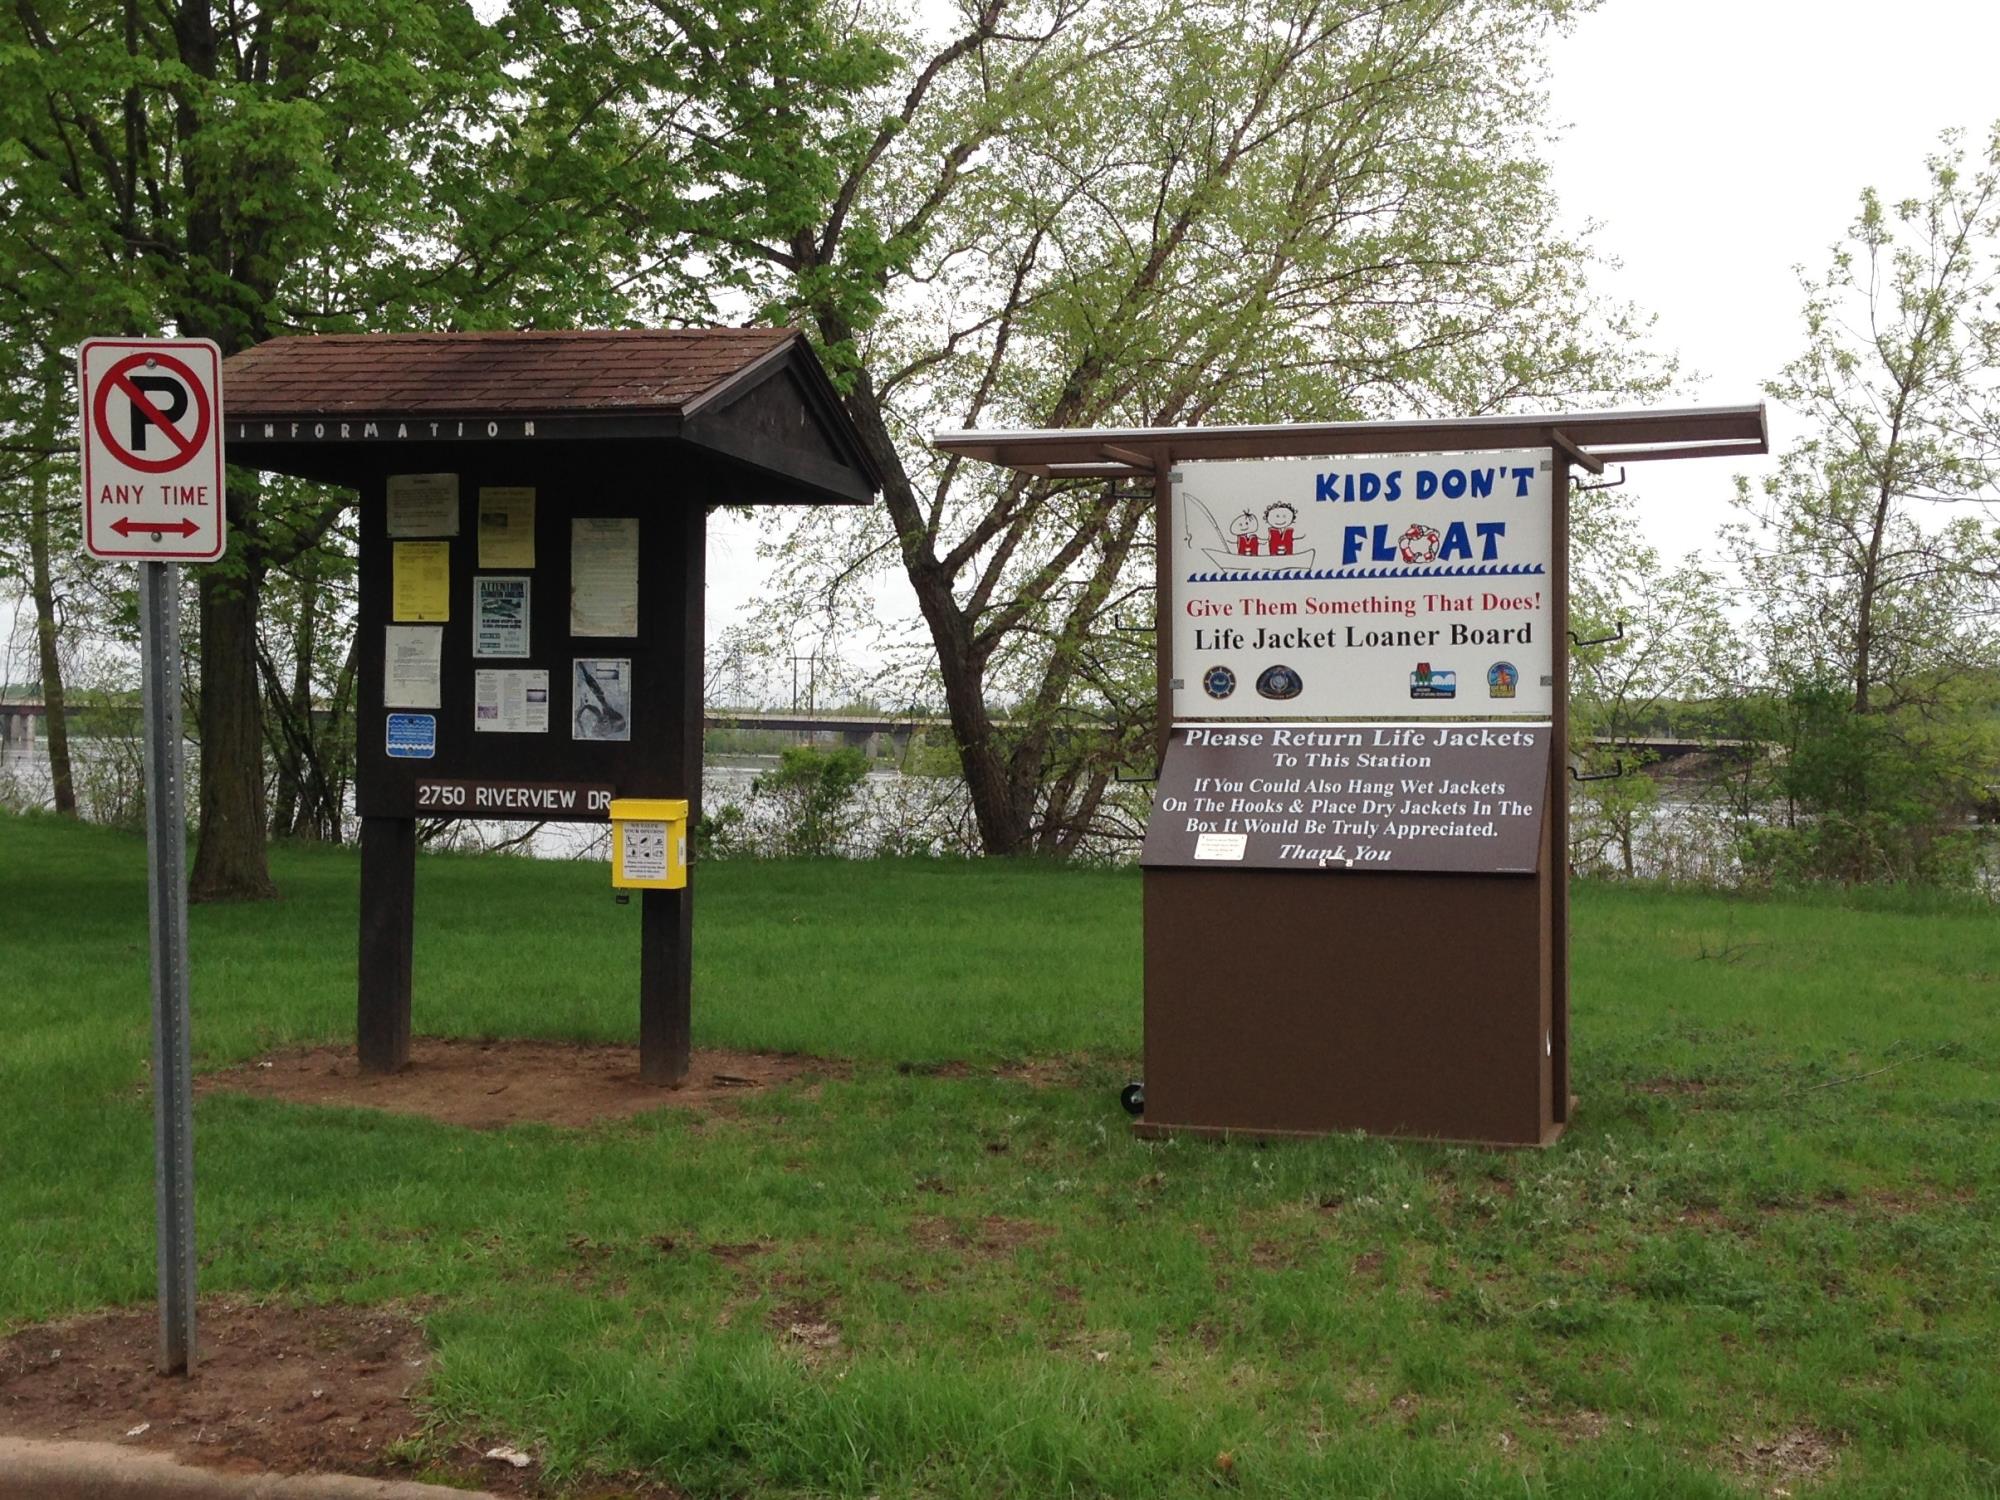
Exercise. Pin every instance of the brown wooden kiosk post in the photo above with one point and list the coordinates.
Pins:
(1429, 999)
(666, 918)
(1163, 616)
(388, 943)
(1557, 805)
(510, 459)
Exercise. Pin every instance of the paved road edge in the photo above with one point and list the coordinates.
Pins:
(37, 1469)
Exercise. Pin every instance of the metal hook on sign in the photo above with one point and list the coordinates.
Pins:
(1597, 640)
(1618, 770)
(1602, 484)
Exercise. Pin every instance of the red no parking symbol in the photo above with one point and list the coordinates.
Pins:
(182, 390)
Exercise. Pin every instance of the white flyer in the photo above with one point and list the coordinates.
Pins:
(423, 505)
(600, 698)
(507, 526)
(604, 575)
(645, 850)
(500, 615)
(412, 657)
(510, 702)
(1221, 845)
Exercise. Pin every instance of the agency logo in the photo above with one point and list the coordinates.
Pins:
(1502, 678)
(1280, 683)
(1428, 683)
(1218, 682)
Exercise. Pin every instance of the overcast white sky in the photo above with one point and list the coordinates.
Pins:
(1720, 144)
(1717, 144)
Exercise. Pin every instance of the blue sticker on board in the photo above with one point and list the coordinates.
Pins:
(413, 736)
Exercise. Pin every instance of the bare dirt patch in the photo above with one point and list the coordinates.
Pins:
(738, 1254)
(993, 1235)
(1036, 1072)
(1276, 1255)
(807, 1330)
(280, 1388)
(486, 1085)
(1779, 1465)
(1578, 1424)
(276, 1389)
(1671, 1086)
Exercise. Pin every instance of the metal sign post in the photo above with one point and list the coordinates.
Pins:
(153, 489)
(166, 904)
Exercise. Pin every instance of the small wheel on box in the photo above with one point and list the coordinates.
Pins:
(1133, 1098)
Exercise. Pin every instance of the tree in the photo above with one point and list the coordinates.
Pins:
(1149, 213)
(1664, 640)
(236, 171)
(812, 797)
(178, 167)
(42, 530)
(1871, 554)
(306, 658)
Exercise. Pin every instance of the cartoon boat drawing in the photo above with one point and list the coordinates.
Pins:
(1225, 557)
(1238, 562)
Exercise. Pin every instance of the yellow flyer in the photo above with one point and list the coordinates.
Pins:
(422, 581)
(507, 526)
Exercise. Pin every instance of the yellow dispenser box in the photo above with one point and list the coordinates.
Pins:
(649, 843)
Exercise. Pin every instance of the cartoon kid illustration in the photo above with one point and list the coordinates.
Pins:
(1237, 548)
(1244, 529)
(1279, 518)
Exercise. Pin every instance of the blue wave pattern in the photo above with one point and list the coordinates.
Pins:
(1413, 570)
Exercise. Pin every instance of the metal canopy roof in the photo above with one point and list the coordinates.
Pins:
(1591, 439)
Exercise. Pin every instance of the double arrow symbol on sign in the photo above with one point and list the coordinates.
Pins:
(125, 526)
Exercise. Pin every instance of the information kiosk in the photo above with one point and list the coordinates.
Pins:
(533, 513)
(1356, 893)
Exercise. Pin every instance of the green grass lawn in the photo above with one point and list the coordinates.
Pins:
(1766, 1257)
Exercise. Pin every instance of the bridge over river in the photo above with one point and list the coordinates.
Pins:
(867, 731)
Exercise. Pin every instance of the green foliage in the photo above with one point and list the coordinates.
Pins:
(1865, 798)
(812, 795)
(1664, 637)
(279, 166)
(1876, 601)
(720, 833)
(1149, 213)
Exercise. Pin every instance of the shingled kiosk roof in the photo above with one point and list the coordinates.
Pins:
(336, 406)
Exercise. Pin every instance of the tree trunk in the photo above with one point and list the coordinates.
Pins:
(292, 803)
(285, 793)
(53, 698)
(229, 860)
(1871, 573)
(302, 672)
(1001, 812)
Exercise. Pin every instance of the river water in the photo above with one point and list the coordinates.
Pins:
(1679, 838)
(891, 812)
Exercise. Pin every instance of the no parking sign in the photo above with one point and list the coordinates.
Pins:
(152, 493)
(152, 449)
